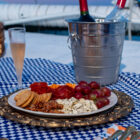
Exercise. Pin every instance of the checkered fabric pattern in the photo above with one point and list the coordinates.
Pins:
(52, 72)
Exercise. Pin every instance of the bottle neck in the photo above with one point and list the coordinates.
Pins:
(121, 3)
(83, 7)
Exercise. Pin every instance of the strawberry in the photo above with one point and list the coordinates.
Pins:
(40, 87)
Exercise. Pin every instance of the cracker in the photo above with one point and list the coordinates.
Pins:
(35, 98)
(48, 96)
(22, 97)
(18, 95)
(42, 98)
(28, 101)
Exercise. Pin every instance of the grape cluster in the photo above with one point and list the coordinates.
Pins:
(93, 91)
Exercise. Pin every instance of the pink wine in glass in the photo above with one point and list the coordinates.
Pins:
(17, 44)
(18, 52)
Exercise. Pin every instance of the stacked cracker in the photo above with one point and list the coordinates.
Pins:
(27, 97)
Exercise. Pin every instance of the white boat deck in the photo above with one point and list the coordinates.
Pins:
(55, 15)
(55, 48)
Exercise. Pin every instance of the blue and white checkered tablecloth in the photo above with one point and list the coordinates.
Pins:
(52, 72)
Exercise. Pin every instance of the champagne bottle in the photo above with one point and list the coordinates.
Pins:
(117, 13)
(84, 13)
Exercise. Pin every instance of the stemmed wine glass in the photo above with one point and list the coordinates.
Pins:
(17, 44)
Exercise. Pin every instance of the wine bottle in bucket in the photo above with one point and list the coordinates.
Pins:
(84, 12)
(117, 13)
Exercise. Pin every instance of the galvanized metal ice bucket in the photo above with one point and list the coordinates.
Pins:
(96, 50)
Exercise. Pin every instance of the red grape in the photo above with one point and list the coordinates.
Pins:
(96, 93)
(92, 96)
(101, 94)
(106, 91)
(86, 97)
(78, 88)
(106, 101)
(86, 89)
(99, 104)
(83, 83)
(78, 95)
(94, 85)
(103, 101)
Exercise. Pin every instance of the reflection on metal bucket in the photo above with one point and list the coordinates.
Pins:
(96, 50)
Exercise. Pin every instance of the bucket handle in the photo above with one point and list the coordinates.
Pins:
(74, 36)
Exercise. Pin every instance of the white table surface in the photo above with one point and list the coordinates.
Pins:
(54, 47)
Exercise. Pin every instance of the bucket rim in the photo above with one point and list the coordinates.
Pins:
(98, 21)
